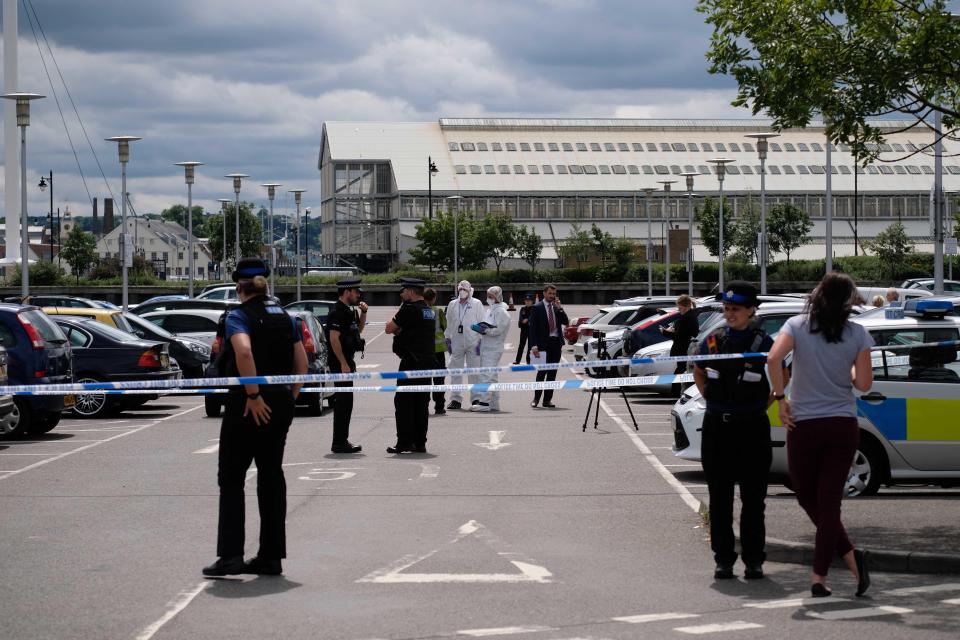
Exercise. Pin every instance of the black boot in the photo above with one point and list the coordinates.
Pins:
(230, 566)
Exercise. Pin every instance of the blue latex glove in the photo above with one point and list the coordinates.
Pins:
(449, 345)
(477, 349)
(479, 328)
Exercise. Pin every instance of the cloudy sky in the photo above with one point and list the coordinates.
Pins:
(245, 85)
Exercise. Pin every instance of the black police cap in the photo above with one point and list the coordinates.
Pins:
(349, 283)
(412, 283)
(248, 268)
(739, 292)
(528, 296)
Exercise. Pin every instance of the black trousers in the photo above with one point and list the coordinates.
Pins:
(342, 407)
(554, 348)
(524, 334)
(411, 410)
(737, 451)
(438, 396)
(242, 442)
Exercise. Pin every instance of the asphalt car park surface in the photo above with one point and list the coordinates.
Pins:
(516, 524)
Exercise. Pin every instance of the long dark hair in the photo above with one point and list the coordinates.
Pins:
(830, 305)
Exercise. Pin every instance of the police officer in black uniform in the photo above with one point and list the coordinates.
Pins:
(344, 326)
(260, 339)
(735, 444)
(413, 340)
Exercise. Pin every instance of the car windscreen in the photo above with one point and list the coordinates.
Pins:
(47, 329)
(148, 327)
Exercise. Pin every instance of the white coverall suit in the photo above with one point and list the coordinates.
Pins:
(463, 343)
(491, 349)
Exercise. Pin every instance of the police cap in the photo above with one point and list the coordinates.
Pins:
(412, 283)
(528, 296)
(349, 283)
(248, 268)
(739, 292)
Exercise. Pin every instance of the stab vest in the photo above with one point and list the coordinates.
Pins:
(737, 383)
(271, 340)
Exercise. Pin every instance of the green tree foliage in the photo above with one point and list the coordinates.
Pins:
(788, 228)
(41, 273)
(745, 230)
(622, 252)
(528, 245)
(250, 233)
(603, 242)
(435, 248)
(79, 251)
(577, 245)
(499, 235)
(707, 216)
(844, 61)
(178, 213)
(892, 246)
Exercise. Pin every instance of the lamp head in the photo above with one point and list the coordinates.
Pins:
(271, 189)
(23, 105)
(43, 183)
(721, 165)
(432, 167)
(689, 176)
(648, 191)
(297, 194)
(666, 184)
(188, 167)
(237, 179)
(123, 146)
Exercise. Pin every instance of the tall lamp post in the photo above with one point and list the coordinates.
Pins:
(306, 237)
(23, 121)
(223, 253)
(451, 202)
(188, 174)
(297, 193)
(721, 165)
(126, 249)
(648, 191)
(666, 241)
(237, 179)
(431, 171)
(271, 194)
(44, 181)
(762, 147)
(689, 176)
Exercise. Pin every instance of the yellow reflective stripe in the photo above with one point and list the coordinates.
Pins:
(932, 419)
(773, 412)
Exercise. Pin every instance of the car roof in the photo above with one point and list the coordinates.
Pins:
(89, 312)
(186, 312)
(882, 322)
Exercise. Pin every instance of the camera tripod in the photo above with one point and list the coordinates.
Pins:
(597, 393)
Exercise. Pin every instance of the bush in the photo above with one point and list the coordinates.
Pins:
(41, 273)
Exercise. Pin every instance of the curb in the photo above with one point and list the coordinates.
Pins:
(880, 559)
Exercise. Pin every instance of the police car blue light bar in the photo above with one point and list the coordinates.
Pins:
(921, 307)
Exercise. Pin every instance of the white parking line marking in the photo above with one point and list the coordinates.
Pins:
(855, 614)
(503, 631)
(213, 448)
(695, 464)
(951, 601)
(930, 588)
(655, 617)
(790, 603)
(177, 605)
(24, 454)
(739, 625)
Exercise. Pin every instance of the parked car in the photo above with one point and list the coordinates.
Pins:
(199, 324)
(68, 301)
(570, 331)
(319, 308)
(654, 301)
(868, 293)
(104, 354)
(110, 317)
(219, 292)
(927, 283)
(908, 433)
(191, 355)
(37, 354)
(189, 303)
(611, 319)
(6, 400)
(166, 298)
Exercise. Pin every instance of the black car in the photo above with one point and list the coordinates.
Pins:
(193, 356)
(189, 303)
(6, 400)
(104, 354)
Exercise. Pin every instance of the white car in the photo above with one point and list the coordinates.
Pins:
(949, 286)
(610, 319)
(908, 430)
(199, 324)
(220, 292)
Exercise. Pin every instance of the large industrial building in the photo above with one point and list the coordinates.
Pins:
(551, 173)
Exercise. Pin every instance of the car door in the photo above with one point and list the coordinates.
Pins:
(915, 397)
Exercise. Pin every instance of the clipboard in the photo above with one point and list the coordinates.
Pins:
(540, 359)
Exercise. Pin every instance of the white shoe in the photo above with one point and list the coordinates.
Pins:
(480, 407)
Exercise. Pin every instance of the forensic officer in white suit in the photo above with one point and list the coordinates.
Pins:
(493, 333)
(463, 343)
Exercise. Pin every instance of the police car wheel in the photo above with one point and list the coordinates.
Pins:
(867, 470)
(211, 407)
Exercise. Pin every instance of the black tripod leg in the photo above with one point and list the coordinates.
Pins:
(623, 395)
(589, 405)
(596, 414)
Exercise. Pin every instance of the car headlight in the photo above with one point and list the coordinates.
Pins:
(196, 347)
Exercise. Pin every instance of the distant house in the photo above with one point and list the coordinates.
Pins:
(165, 244)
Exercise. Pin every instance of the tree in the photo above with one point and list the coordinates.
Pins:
(745, 231)
(435, 237)
(79, 251)
(707, 216)
(178, 213)
(788, 228)
(529, 246)
(892, 245)
(499, 235)
(250, 232)
(577, 245)
(623, 252)
(843, 61)
(602, 242)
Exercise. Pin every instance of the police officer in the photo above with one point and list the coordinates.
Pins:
(413, 340)
(260, 339)
(735, 445)
(344, 326)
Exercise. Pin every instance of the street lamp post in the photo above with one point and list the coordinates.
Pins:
(306, 238)
(689, 176)
(271, 194)
(431, 171)
(126, 251)
(451, 201)
(762, 147)
(721, 165)
(648, 191)
(188, 173)
(223, 253)
(44, 181)
(666, 238)
(237, 179)
(297, 193)
(23, 121)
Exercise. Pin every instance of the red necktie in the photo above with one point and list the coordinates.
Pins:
(551, 320)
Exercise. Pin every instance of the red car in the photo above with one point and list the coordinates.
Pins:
(570, 332)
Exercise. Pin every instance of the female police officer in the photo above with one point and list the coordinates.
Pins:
(735, 441)
(260, 339)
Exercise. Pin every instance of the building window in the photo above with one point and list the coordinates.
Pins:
(153, 255)
(468, 146)
(706, 146)
(675, 169)
(774, 169)
(845, 170)
(553, 146)
(802, 170)
(567, 146)
(459, 168)
(594, 146)
(166, 256)
(482, 146)
(678, 146)
(886, 148)
(590, 169)
(518, 168)
(662, 170)
(664, 146)
(454, 146)
(652, 147)
(638, 147)
(927, 169)
(816, 146)
(524, 146)
(604, 169)
(548, 169)
(747, 146)
(622, 146)
(775, 146)
(817, 169)
(692, 146)
(562, 169)
(575, 169)
(789, 146)
(647, 170)
(609, 146)
(538, 146)
(496, 146)
(788, 170)
(200, 271)
(503, 168)
(581, 146)
(619, 169)
(633, 169)
(511, 146)
(953, 169)
(703, 169)
(733, 169)
(475, 169)
(900, 169)
(488, 168)
(180, 255)
(532, 168)
(802, 146)
(747, 170)
(735, 147)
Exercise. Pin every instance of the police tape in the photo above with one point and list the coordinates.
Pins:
(479, 387)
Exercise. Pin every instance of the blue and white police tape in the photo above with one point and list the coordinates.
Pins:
(480, 387)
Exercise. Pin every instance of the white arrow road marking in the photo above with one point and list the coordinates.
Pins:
(213, 448)
(330, 475)
(503, 631)
(429, 471)
(718, 628)
(930, 588)
(655, 617)
(854, 614)
(495, 441)
(793, 603)
(394, 573)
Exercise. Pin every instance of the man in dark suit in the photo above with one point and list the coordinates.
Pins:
(547, 319)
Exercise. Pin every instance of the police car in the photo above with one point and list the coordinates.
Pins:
(908, 428)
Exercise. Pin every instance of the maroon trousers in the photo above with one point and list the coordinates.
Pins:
(820, 452)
